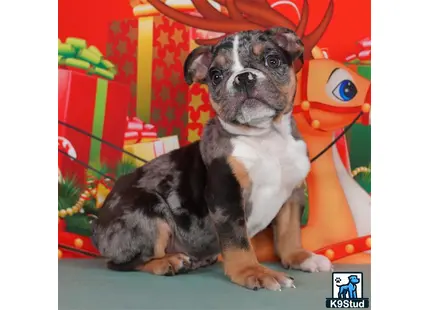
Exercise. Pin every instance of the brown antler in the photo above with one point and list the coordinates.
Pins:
(246, 15)
(207, 10)
(233, 11)
(312, 39)
(262, 12)
(300, 30)
(226, 26)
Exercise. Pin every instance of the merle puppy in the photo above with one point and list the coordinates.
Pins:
(179, 211)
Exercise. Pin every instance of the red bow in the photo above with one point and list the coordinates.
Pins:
(137, 130)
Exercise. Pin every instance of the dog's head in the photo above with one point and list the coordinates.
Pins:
(353, 279)
(250, 75)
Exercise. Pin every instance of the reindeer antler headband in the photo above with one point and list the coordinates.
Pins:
(246, 15)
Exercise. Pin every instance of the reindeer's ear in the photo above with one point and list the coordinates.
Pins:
(197, 64)
(288, 41)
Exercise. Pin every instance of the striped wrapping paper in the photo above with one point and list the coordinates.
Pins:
(137, 131)
(363, 53)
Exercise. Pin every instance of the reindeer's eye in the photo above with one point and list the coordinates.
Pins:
(273, 61)
(340, 86)
(215, 76)
(345, 90)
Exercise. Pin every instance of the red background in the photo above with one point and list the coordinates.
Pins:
(89, 20)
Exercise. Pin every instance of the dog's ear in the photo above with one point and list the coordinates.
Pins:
(197, 65)
(287, 40)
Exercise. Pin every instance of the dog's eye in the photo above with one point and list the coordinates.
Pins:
(215, 76)
(273, 61)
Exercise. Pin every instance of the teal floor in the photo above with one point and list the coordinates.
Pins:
(88, 285)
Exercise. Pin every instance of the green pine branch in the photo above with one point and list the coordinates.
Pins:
(125, 167)
(68, 193)
(79, 224)
(103, 168)
(90, 207)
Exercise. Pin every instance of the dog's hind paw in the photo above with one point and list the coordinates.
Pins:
(315, 263)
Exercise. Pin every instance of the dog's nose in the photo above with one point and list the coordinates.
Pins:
(245, 80)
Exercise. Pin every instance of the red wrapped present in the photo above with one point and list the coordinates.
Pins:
(150, 52)
(87, 99)
(199, 107)
(137, 131)
(362, 54)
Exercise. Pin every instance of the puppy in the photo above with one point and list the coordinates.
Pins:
(179, 211)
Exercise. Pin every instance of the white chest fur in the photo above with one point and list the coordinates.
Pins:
(276, 164)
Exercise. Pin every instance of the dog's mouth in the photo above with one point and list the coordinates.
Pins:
(253, 101)
(255, 112)
(257, 101)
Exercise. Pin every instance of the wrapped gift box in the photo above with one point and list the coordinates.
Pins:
(89, 100)
(360, 60)
(142, 140)
(137, 131)
(150, 150)
(150, 51)
(359, 136)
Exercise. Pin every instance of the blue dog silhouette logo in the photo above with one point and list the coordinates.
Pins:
(348, 290)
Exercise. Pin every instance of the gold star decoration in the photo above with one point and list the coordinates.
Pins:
(193, 135)
(183, 54)
(128, 68)
(132, 33)
(157, 21)
(169, 59)
(163, 38)
(177, 36)
(180, 98)
(185, 118)
(155, 54)
(159, 73)
(167, 21)
(174, 78)
(204, 117)
(165, 93)
(170, 114)
(196, 101)
(115, 27)
(121, 47)
(162, 131)
(155, 117)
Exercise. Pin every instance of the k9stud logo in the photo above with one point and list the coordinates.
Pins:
(347, 291)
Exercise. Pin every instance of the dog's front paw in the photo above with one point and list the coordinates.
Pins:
(258, 276)
(168, 265)
(307, 261)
